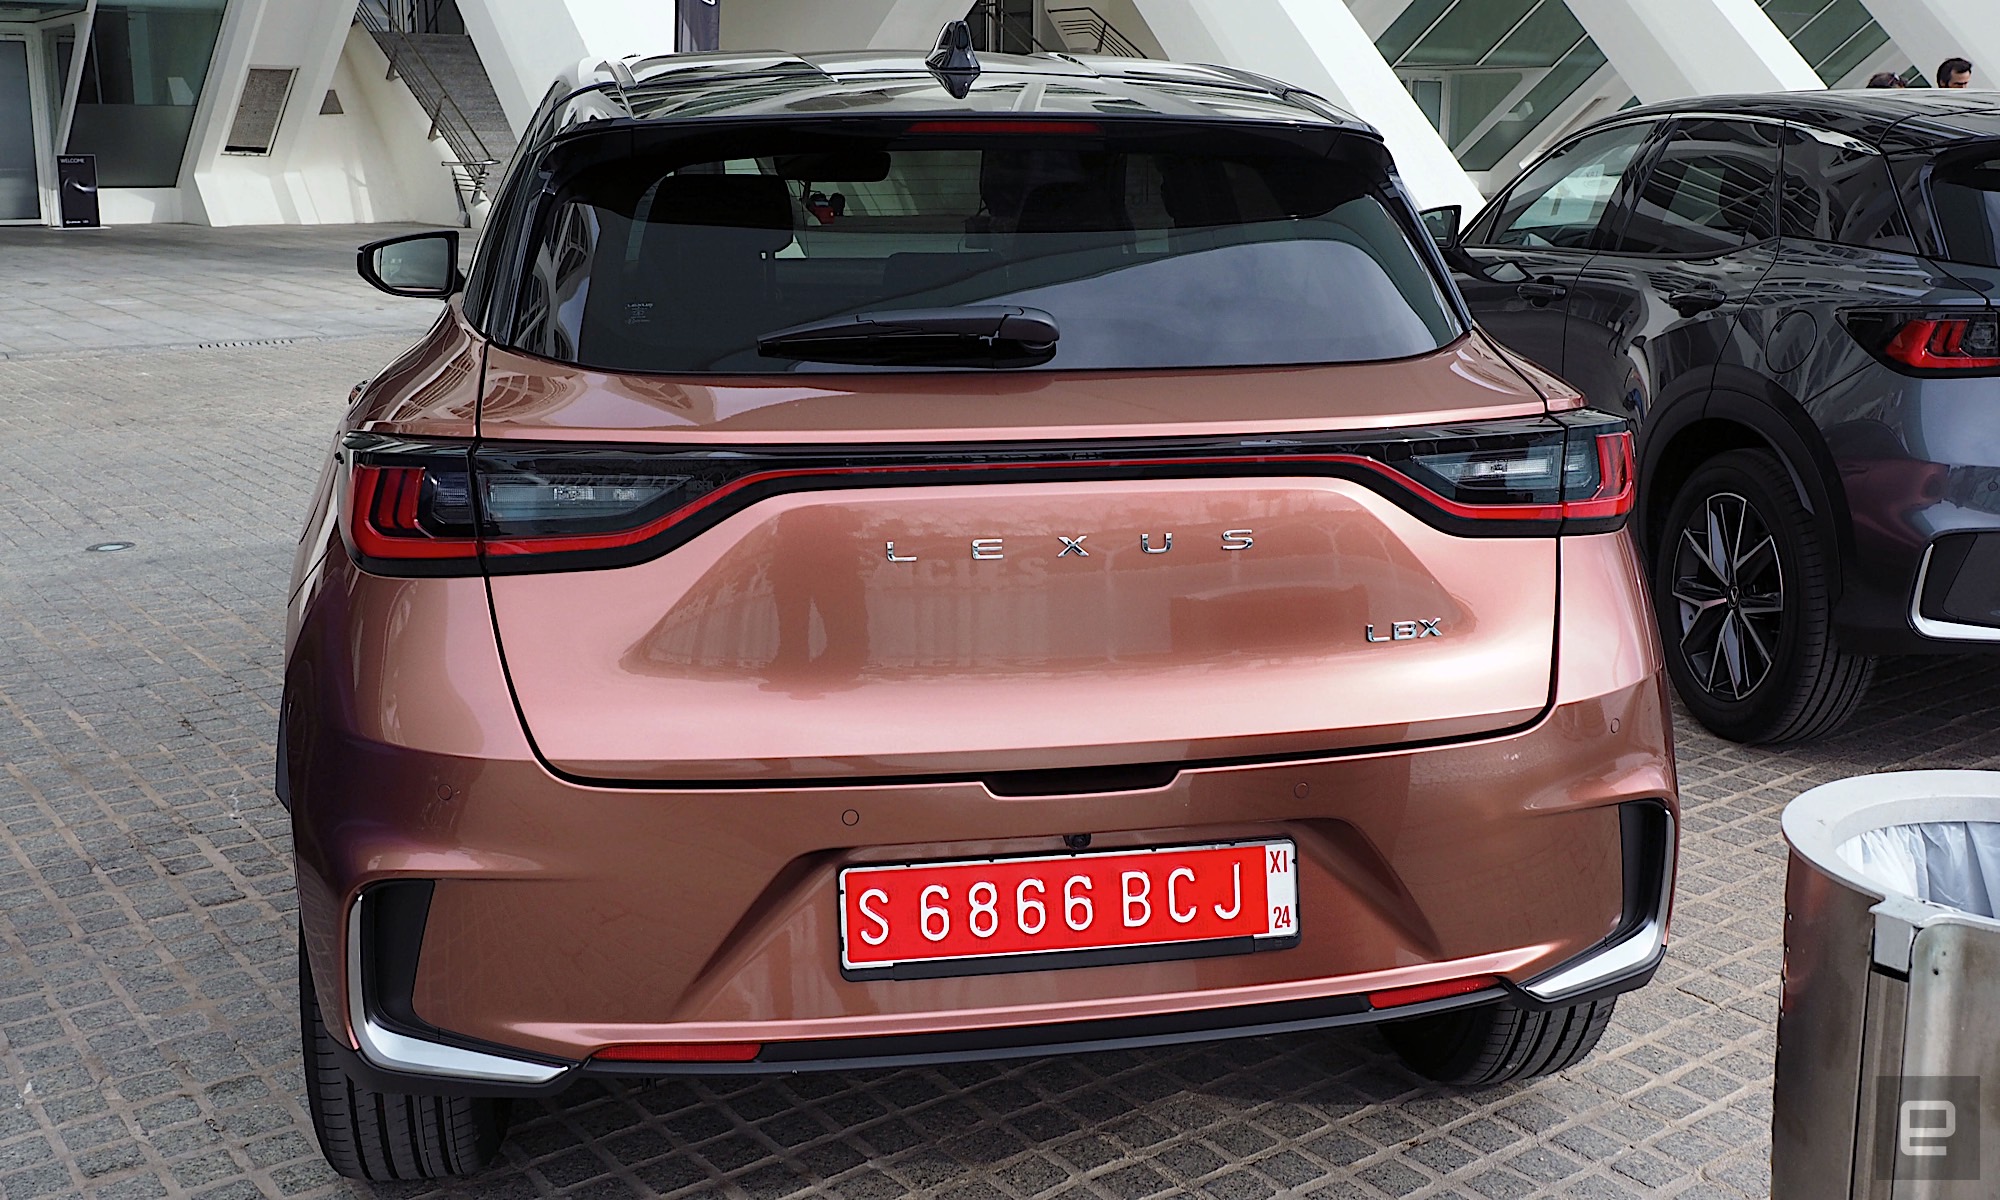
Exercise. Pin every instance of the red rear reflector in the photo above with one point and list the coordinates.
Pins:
(1058, 128)
(1418, 993)
(729, 1052)
(1940, 344)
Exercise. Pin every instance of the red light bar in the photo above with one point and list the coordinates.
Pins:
(722, 1052)
(1418, 993)
(1938, 345)
(1007, 125)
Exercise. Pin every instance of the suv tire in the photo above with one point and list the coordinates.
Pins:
(367, 1134)
(1498, 1043)
(1750, 641)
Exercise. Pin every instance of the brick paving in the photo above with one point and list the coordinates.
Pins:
(183, 285)
(148, 1036)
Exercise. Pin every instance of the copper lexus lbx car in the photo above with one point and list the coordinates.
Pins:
(890, 560)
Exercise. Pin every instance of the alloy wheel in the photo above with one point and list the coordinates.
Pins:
(1729, 588)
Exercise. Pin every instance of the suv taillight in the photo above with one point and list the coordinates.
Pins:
(1929, 343)
(409, 503)
(434, 508)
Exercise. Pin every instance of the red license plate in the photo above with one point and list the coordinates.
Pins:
(1183, 901)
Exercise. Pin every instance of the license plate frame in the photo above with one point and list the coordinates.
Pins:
(1278, 895)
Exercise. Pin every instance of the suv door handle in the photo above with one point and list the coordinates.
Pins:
(1541, 291)
(1698, 299)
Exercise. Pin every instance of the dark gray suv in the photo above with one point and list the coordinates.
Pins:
(1790, 296)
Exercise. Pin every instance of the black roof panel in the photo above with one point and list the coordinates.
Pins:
(898, 84)
(1893, 118)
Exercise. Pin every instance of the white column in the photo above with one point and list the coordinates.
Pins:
(525, 44)
(1930, 31)
(1694, 47)
(1318, 45)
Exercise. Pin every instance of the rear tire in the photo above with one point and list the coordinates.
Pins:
(1743, 589)
(367, 1134)
(1498, 1043)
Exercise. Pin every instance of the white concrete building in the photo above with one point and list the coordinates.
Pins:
(236, 112)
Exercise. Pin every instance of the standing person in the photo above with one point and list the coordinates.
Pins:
(1955, 73)
(1886, 79)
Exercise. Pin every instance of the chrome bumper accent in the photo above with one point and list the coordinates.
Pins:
(403, 1054)
(1608, 963)
(1949, 630)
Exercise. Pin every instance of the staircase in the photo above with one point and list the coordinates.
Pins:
(444, 73)
(998, 26)
(1088, 33)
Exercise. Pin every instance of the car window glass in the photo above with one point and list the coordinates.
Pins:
(1965, 195)
(1560, 201)
(1709, 191)
(1839, 193)
(1145, 257)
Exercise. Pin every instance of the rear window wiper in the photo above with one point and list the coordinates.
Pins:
(974, 335)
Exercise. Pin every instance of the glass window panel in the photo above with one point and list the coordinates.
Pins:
(1468, 32)
(1474, 95)
(1790, 16)
(1558, 85)
(1550, 32)
(1858, 50)
(141, 80)
(1834, 194)
(20, 190)
(1712, 190)
(1832, 30)
(1429, 95)
(1560, 201)
(1404, 31)
(1148, 258)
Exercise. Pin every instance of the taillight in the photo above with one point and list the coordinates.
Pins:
(409, 504)
(984, 126)
(436, 509)
(1930, 343)
(1584, 477)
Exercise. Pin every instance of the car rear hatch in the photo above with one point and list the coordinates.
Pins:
(1201, 525)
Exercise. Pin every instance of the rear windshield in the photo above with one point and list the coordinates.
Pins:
(1965, 194)
(1143, 258)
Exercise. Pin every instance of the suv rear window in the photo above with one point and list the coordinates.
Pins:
(1145, 257)
(1965, 194)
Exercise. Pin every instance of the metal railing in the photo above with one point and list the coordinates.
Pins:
(473, 160)
(1087, 32)
(1084, 31)
(419, 16)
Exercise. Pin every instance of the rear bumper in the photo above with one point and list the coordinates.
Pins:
(558, 918)
(1908, 584)
(395, 1051)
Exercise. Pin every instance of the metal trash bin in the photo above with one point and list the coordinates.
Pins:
(1888, 1071)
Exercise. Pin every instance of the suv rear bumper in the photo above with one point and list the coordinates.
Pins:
(394, 1051)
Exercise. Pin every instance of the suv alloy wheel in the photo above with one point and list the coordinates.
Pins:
(1743, 588)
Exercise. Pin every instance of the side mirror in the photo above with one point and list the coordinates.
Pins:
(416, 264)
(1442, 225)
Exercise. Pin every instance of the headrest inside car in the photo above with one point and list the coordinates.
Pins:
(751, 202)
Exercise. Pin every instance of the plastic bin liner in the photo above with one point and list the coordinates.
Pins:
(1953, 863)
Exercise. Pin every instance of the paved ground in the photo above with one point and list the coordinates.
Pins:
(64, 291)
(147, 1028)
